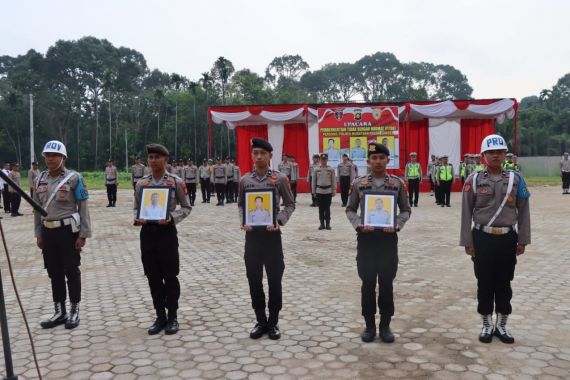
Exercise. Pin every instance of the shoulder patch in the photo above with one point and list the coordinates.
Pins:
(364, 181)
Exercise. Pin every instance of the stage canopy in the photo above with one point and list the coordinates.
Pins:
(447, 127)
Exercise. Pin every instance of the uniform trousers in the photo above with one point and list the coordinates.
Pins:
(15, 200)
(445, 191)
(377, 262)
(230, 191)
(344, 188)
(494, 264)
(220, 191)
(264, 249)
(6, 195)
(313, 197)
(62, 262)
(161, 263)
(112, 193)
(414, 190)
(205, 187)
(236, 190)
(294, 189)
(191, 192)
(324, 202)
(565, 180)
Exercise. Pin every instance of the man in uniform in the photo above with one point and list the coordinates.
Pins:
(237, 177)
(204, 172)
(191, 178)
(517, 166)
(15, 198)
(413, 174)
(463, 168)
(312, 168)
(508, 164)
(263, 248)
(435, 179)
(137, 171)
(294, 176)
(494, 201)
(345, 174)
(219, 178)
(565, 173)
(324, 189)
(33, 175)
(159, 241)
(469, 165)
(229, 180)
(111, 182)
(377, 249)
(62, 233)
(445, 178)
(478, 165)
(285, 166)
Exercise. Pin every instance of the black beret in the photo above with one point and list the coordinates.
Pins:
(324, 155)
(256, 142)
(345, 155)
(158, 149)
(375, 148)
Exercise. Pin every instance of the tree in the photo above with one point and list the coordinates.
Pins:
(286, 67)
(221, 73)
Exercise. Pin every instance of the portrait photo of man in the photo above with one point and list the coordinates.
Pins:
(154, 210)
(357, 152)
(259, 215)
(332, 151)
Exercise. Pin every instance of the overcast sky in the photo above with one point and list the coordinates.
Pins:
(506, 48)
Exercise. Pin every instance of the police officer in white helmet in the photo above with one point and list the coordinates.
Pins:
(62, 233)
(495, 229)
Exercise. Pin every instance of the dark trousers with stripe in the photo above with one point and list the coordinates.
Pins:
(191, 187)
(414, 190)
(205, 187)
(230, 191)
(112, 194)
(565, 180)
(220, 191)
(494, 264)
(344, 188)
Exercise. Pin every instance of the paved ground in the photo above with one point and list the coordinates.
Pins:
(436, 322)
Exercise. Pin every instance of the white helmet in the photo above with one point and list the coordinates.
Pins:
(493, 142)
(54, 146)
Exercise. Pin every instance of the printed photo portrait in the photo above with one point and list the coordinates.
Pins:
(259, 208)
(358, 146)
(154, 203)
(379, 210)
(331, 146)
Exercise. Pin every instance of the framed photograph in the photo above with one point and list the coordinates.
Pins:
(154, 202)
(378, 209)
(259, 208)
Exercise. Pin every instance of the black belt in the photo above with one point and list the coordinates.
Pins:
(190, 179)
(137, 177)
(324, 187)
(220, 177)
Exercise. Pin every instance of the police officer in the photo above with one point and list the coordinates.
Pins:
(204, 172)
(111, 182)
(219, 178)
(508, 164)
(463, 168)
(377, 249)
(159, 241)
(324, 189)
(430, 168)
(263, 247)
(137, 171)
(445, 179)
(229, 180)
(435, 179)
(237, 177)
(191, 178)
(565, 173)
(413, 174)
(62, 233)
(478, 166)
(294, 176)
(15, 198)
(345, 172)
(494, 201)
(33, 175)
(312, 168)
(285, 166)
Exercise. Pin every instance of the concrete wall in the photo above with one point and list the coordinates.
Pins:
(540, 166)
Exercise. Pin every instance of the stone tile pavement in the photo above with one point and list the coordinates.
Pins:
(436, 323)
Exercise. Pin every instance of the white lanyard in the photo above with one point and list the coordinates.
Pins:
(509, 189)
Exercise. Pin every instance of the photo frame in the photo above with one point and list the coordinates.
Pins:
(378, 209)
(259, 208)
(154, 202)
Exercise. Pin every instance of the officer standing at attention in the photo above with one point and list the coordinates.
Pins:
(445, 177)
(33, 175)
(324, 189)
(294, 176)
(312, 168)
(111, 182)
(508, 163)
(413, 174)
(478, 166)
(62, 233)
(229, 180)
(237, 177)
(284, 166)
(137, 171)
(463, 168)
(345, 172)
(430, 167)
(377, 249)
(263, 248)
(191, 178)
(15, 198)
(159, 241)
(204, 172)
(494, 201)
(219, 178)
(565, 173)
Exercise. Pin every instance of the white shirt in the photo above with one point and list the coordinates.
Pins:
(153, 212)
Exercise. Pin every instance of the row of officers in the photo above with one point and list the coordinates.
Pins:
(495, 229)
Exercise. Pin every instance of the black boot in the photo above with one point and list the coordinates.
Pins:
(59, 316)
(486, 335)
(172, 324)
(385, 333)
(369, 332)
(260, 327)
(501, 329)
(273, 325)
(328, 226)
(322, 226)
(73, 320)
(158, 324)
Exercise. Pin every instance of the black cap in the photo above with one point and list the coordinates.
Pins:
(34, 163)
(257, 142)
(158, 149)
(345, 155)
(315, 155)
(375, 148)
(324, 155)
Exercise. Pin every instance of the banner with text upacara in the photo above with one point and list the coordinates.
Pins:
(348, 130)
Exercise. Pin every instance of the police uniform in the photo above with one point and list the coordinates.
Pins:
(204, 172)
(377, 251)
(64, 197)
(33, 175)
(190, 176)
(346, 175)
(324, 187)
(264, 248)
(111, 182)
(445, 180)
(312, 168)
(159, 247)
(15, 198)
(137, 172)
(294, 178)
(494, 238)
(413, 174)
(285, 168)
(229, 181)
(219, 179)
(565, 173)
(237, 177)
(430, 167)
(435, 179)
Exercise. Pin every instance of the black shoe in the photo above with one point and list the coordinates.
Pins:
(369, 332)
(58, 318)
(343, 205)
(386, 335)
(171, 326)
(486, 335)
(109, 205)
(328, 227)
(204, 202)
(415, 205)
(157, 326)
(447, 205)
(73, 320)
(322, 227)
(17, 214)
(273, 332)
(505, 337)
(442, 205)
(258, 331)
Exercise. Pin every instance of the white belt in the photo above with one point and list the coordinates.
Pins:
(494, 230)
(57, 223)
